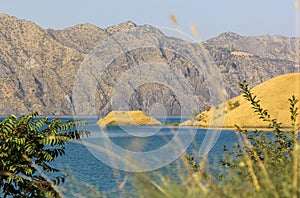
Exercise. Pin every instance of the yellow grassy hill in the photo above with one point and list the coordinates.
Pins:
(273, 94)
(127, 118)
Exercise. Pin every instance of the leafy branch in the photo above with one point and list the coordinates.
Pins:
(27, 145)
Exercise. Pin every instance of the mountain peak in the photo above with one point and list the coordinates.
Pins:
(8, 21)
(121, 27)
(230, 35)
(127, 23)
(85, 26)
(6, 16)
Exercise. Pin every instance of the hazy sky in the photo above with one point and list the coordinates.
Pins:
(255, 17)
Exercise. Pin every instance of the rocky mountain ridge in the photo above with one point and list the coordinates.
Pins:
(266, 46)
(38, 66)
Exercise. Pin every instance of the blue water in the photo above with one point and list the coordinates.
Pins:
(84, 168)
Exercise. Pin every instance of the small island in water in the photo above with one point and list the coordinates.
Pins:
(135, 118)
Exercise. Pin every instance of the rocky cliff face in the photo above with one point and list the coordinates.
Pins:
(38, 67)
(266, 46)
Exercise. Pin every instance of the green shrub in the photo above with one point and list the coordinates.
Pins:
(233, 105)
(27, 145)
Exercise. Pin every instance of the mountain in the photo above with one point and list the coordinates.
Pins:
(38, 67)
(84, 37)
(255, 59)
(266, 46)
(273, 95)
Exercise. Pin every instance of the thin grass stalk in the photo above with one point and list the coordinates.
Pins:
(261, 165)
(295, 165)
(295, 161)
(249, 165)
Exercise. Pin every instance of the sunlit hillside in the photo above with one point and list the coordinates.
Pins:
(273, 94)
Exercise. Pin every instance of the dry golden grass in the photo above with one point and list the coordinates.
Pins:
(273, 94)
(128, 118)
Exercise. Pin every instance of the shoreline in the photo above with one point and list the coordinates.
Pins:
(175, 124)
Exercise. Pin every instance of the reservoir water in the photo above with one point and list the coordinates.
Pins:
(88, 173)
(84, 166)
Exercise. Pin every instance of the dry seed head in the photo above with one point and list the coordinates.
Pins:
(194, 30)
(173, 19)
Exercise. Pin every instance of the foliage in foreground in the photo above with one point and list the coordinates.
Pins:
(27, 146)
(260, 164)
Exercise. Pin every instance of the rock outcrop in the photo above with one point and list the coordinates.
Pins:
(119, 118)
